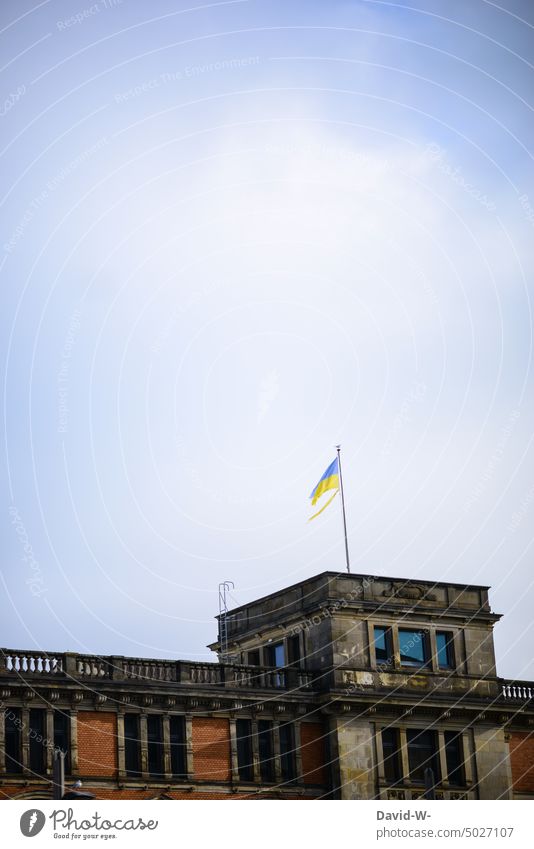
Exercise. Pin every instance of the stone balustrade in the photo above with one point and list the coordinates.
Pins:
(72, 666)
(518, 691)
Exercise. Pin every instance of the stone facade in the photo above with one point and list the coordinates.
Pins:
(341, 686)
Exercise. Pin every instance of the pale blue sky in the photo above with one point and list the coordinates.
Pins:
(234, 235)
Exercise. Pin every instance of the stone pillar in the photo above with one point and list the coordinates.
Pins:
(121, 756)
(143, 742)
(25, 739)
(433, 649)
(492, 758)
(468, 768)
(233, 752)
(354, 738)
(166, 731)
(255, 751)
(50, 741)
(276, 753)
(442, 761)
(73, 738)
(405, 761)
(189, 756)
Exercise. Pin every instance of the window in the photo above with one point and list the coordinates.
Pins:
(422, 754)
(453, 756)
(154, 745)
(444, 648)
(276, 655)
(391, 753)
(62, 736)
(287, 753)
(178, 746)
(254, 657)
(413, 647)
(383, 645)
(244, 749)
(293, 650)
(37, 741)
(265, 744)
(12, 740)
(131, 744)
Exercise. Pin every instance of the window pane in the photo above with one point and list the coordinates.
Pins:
(178, 746)
(155, 745)
(12, 740)
(412, 645)
(390, 749)
(131, 744)
(422, 754)
(254, 658)
(287, 753)
(265, 743)
(37, 741)
(444, 649)
(293, 650)
(62, 736)
(244, 749)
(453, 753)
(382, 644)
(279, 659)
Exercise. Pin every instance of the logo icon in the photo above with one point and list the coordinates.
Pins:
(32, 822)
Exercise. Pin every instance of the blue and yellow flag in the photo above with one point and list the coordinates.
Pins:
(330, 480)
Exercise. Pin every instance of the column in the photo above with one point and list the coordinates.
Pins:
(166, 728)
(50, 741)
(396, 647)
(73, 735)
(121, 756)
(255, 751)
(466, 752)
(442, 760)
(143, 739)
(233, 752)
(276, 752)
(433, 649)
(405, 763)
(25, 739)
(189, 756)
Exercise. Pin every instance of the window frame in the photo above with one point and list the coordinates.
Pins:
(389, 659)
(448, 648)
(425, 643)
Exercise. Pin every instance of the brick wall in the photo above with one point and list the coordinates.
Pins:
(313, 753)
(522, 759)
(211, 749)
(97, 743)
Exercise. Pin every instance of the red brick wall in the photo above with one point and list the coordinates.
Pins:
(522, 758)
(313, 753)
(97, 743)
(211, 749)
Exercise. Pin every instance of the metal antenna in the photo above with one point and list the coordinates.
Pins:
(224, 587)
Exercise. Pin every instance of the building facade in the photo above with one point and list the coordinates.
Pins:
(338, 687)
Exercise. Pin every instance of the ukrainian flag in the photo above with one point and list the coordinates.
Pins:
(330, 480)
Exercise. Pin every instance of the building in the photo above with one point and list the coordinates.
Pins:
(338, 687)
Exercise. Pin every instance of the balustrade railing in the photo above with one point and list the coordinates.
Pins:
(84, 666)
(518, 690)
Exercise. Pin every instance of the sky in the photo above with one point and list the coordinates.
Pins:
(233, 236)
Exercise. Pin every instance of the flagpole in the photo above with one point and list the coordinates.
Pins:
(338, 448)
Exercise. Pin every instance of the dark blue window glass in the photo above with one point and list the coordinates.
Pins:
(444, 649)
